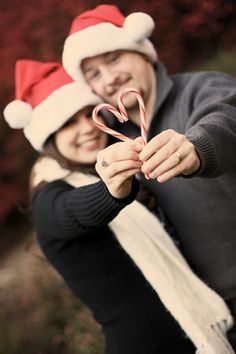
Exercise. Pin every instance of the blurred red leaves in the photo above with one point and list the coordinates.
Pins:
(186, 33)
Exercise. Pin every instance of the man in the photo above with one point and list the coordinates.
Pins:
(191, 135)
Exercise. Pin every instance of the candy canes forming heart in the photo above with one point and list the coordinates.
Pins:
(122, 115)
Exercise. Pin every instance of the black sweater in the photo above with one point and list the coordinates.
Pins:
(71, 224)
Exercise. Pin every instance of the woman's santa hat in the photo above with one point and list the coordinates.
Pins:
(46, 97)
(105, 29)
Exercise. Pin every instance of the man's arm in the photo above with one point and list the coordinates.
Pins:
(208, 146)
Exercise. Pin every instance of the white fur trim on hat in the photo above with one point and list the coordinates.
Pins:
(17, 114)
(100, 39)
(52, 113)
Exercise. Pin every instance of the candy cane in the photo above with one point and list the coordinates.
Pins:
(141, 110)
(122, 115)
(103, 127)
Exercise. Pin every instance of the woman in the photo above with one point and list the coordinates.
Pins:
(74, 213)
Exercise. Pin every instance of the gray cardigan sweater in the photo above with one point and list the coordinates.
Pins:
(202, 207)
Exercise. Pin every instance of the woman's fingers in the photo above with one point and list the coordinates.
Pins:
(117, 164)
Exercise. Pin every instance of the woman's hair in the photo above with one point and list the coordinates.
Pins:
(51, 150)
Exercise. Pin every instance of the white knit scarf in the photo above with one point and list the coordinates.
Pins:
(201, 313)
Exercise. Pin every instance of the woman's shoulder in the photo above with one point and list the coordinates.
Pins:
(46, 191)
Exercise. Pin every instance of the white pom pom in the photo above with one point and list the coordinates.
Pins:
(17, 114)
(139, 26)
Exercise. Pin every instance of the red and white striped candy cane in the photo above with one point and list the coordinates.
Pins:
(141, 110)
(103, 127)
(122, 115)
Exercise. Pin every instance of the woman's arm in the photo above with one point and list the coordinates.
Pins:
(63, 211)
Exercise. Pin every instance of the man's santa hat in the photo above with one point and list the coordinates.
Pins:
(105, 29)
(46, 97)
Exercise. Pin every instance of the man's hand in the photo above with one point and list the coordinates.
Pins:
(167, 155)
(117, 164)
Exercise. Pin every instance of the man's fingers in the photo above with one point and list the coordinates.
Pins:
(177, 150)
(159, 141)
(188, 166)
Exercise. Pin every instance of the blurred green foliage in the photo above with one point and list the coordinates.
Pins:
(223, 61)
(186, 32)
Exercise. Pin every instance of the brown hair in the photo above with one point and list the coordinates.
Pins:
(51, 150)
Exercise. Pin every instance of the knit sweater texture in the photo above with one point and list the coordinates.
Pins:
(71, 225)
(201, 207)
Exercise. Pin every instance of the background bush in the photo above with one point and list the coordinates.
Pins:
(39, 314)
(187, 33)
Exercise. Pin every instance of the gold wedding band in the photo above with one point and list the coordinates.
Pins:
(104, 163)
(179, 156)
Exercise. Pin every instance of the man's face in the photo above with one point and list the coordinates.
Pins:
(108, 73)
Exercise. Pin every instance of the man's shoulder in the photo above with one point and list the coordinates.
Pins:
(202, 77)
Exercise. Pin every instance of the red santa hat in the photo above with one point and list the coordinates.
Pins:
(46, 97)
(105, 29)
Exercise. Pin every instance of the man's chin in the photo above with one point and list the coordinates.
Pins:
(129, 100)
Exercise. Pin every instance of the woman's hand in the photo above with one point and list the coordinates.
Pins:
(117, 164)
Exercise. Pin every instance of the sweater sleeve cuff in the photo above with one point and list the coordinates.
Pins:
(131, 197)
(206, 154)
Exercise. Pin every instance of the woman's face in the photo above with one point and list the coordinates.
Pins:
(79, 140)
